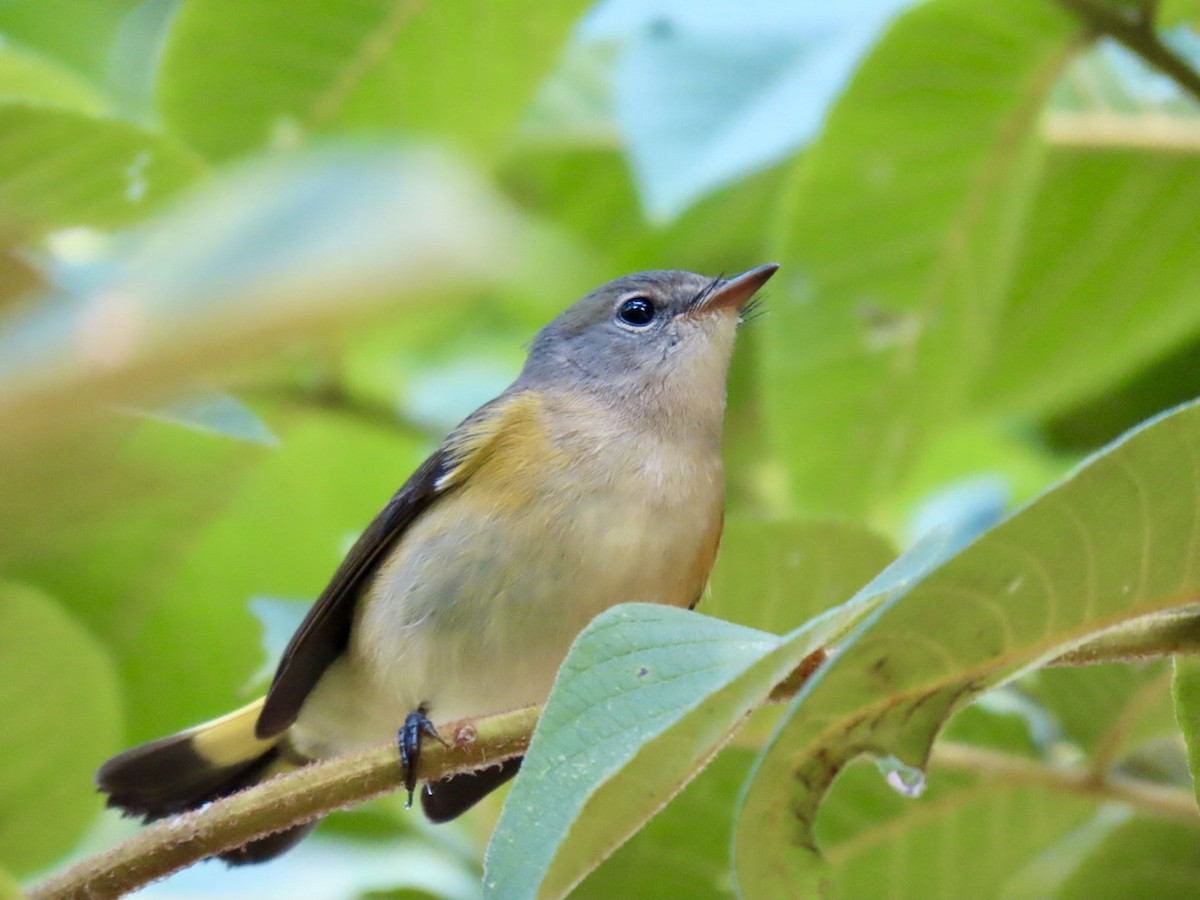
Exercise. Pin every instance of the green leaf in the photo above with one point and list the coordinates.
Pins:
(27, 77)
(1141, 858)
(61, 168)
(774, 576)
(61, 716)
(896, 237)
(1117, 541)
(1106, 283)
(1186, 692)
(237, 77)
(287, 248)
(646, 697)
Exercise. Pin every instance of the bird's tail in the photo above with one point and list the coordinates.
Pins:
(187, 770)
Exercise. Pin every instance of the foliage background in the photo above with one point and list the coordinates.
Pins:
(257, 257)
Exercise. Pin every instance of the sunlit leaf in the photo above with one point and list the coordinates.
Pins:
(1118, 540)
(896, 237)
(26, 77)
(60, 168)
(237, 77)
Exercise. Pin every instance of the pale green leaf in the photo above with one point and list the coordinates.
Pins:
(896, 237)
(59, 718)
(647, 695)
(61, 168)
(1118, 540)
(236, 77)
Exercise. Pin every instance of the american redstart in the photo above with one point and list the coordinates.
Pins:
(594, 479)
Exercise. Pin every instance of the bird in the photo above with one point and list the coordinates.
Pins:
(594, 479)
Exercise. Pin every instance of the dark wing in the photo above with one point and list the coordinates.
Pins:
(325, 631)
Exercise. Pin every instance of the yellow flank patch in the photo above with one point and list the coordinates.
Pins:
(508, 449)
(230, 739)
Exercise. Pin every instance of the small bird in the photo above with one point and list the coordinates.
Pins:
(594, 479)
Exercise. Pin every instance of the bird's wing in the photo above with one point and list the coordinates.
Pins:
(325, 631)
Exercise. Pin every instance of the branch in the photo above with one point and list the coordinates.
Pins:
(1136, 33)
(1158, 800)
(277, 804)
(1151, 637)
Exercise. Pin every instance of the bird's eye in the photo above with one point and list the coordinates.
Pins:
(636, 311)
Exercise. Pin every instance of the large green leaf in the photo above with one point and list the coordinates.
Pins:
(61, 168)
(646, 697)
(775, 576)
(896, 240)
(1107, 280)
(61, 715)
(288, 248)
(1118, 540)
(235, 77)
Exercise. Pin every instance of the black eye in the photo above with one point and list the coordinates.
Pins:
(636, 311)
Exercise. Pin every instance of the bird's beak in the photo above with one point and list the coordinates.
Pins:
(735, 293)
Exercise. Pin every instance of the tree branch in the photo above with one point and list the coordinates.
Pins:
(1158, 800)
(1136, 33)
(277, 804)
(1152, 637)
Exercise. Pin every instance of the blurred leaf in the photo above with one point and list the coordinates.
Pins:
(646, 697)
(1166, 382)
(684, 850)
(186, 637)
(27, 77)
(1108, 710)
(221, 414)
(896, 238)
(236, 77)
(61, 168)
(9, 889)
(1106, 281)
(1115, 542)
(286, 248)
(774, 576)
(705, 93)
(1177, 12)
(1141, 858)
(963, 838)
(1186, 693)
(79, 34)
(61, 716)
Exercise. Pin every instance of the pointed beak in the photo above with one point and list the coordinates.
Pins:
(735, 293)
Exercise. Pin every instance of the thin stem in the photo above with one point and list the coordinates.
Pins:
(277, 804)
(1152, 637)
(1160, 801)
(1136, 33)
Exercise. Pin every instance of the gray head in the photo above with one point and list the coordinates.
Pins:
(655, 342)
